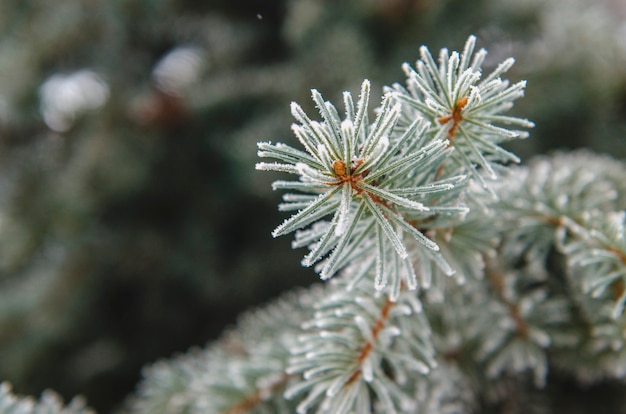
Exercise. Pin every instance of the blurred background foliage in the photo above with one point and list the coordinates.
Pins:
(132, 223)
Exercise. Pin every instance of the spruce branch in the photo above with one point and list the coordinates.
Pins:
(389, 199)
(571, 205)
(397, 205)
(518, 345)
(373, 181)
(571, 202)
(353, 336)
(464, 107)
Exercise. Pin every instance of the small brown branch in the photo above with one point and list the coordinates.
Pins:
(369, 345)
(257, 397)
(345, 175)
(495, 277)
(620, 254)
(456, 117)
(439, 172)
(453, 355)
(617, 289)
